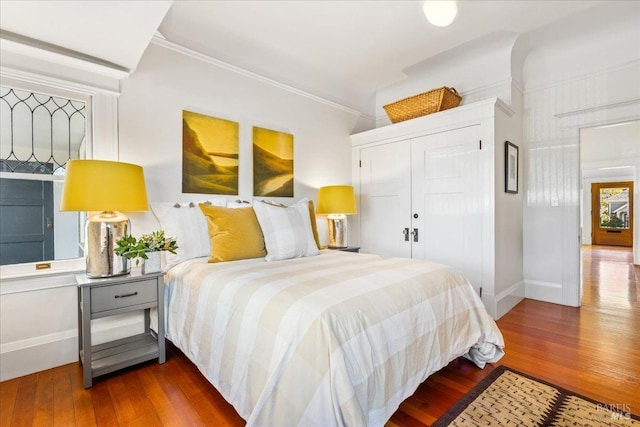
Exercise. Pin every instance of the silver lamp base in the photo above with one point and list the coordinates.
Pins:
(337, 224)
(102, 232)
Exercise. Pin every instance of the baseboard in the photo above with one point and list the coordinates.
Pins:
(543, 291)
(27, 360)
(36, 354)
(509, 298)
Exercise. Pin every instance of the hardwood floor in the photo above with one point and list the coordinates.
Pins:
(593, 350)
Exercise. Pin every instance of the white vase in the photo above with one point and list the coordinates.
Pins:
(153, 264)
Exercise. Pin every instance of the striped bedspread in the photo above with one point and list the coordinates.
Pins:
(339, 339)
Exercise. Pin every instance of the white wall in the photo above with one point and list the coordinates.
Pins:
(579, 73)
(593, 41)
(509, 283)
(457, 68)
(591, 78)
(38, 309)
(38, 320)
(611, 146)
(554, 115)
(167, 82)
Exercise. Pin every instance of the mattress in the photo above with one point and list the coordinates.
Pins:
(338, 339)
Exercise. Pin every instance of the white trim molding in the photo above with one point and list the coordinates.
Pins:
(53, 82)
(31, 342)
(44, 51)
(583, 76)
(26, 278)
(29, 356)
(161, 41)
(445, 120)
(509, 298)
(497, 84)
(34, 354)
(543, 291)
(617, 104)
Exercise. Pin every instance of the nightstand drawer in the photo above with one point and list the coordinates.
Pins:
(124, 295)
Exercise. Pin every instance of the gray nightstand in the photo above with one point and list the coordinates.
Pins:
(115, 295)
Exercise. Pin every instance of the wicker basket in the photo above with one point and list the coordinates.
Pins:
(425, 103)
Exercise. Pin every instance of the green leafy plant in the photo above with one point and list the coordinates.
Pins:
(613, 222)
(132, 248)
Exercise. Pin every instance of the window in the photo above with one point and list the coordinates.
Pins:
(39, 133)
(614, 207)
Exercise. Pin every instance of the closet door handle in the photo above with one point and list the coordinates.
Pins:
(414, 233)
(406, 234)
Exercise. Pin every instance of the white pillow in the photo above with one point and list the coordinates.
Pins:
(287, 231)
(187, 224)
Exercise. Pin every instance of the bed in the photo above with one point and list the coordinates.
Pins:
(337, 339)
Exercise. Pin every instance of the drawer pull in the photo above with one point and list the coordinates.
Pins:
(132, 294)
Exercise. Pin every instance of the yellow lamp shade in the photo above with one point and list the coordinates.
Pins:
(99, 185)
(337, 199)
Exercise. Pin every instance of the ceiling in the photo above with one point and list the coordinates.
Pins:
(113, 32)
(340, 50)
(610, 149)
(344, 50)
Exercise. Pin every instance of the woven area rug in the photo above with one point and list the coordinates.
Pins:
(510, 398)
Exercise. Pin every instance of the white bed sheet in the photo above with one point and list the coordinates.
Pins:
(340, 339)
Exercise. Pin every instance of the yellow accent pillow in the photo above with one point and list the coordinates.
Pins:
(234, 233)
(314, 225)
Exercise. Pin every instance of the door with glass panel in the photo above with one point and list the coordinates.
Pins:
(612, 213)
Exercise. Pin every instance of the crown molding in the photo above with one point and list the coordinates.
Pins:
(500, 83)
(623, 103)
(588, 75)
(161, 41)
(44, 51)
(504, 107)
(40, 79)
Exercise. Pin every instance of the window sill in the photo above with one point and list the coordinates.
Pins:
(28, 270)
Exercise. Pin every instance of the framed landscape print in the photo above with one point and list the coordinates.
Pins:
(510, 167)
(209, 154)
(272, 163)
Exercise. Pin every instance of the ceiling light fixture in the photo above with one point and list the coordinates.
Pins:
(440, 13)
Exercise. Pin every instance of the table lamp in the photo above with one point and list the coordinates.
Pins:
(103, 188)
(337, 201)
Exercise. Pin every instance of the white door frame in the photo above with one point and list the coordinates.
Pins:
(572, 289)
(613, 178)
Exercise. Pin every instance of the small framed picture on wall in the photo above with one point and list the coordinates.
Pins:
(510, 167)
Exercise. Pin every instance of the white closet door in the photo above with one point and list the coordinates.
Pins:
(385, 199)
(446, 200)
